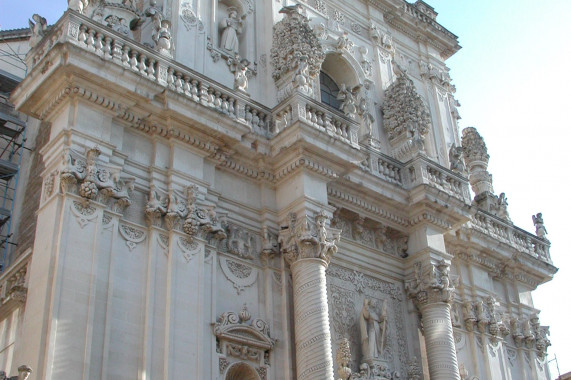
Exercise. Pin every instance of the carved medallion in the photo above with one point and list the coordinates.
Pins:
(240, 275)
(132, 235)
(83, 213)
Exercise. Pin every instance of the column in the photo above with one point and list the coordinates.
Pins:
(308, 247)
(431, 290)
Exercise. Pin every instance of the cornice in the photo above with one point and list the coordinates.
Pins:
(406, 18)
(362, 204)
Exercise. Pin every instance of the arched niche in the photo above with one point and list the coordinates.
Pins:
(241, 371)
(245, 17)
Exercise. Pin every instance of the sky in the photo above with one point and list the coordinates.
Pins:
(513, 83)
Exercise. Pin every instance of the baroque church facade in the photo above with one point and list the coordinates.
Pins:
(261, 189)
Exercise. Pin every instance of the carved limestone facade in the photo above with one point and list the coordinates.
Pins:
(261, 190)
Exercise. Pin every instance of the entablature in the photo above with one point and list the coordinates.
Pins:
(500, 259)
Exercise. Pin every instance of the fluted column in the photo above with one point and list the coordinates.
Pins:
(431, 290)
(308, 247)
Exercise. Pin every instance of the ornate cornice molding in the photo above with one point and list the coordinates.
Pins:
(366, 206)
(304, 163)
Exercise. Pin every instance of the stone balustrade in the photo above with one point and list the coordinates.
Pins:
(422, 170)
(509, 234)
(111, 46)
(384, 167)
(299, 107)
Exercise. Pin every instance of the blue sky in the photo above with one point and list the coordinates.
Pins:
(513, 83)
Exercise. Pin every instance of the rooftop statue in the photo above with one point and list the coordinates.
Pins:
(540, 230)
(38, 28)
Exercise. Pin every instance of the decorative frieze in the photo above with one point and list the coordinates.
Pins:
(370, 233)
(132, 235)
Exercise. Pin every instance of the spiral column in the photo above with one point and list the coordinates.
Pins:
(308, 250)
(432, 291)
(312, 336)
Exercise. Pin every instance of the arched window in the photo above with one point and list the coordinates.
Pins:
(329, 90)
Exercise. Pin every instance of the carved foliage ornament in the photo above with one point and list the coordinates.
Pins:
(292, 40)
(474, 146)
(93, 180)
(305, 239)
(185, 212)
(405, 114)
(434, 283)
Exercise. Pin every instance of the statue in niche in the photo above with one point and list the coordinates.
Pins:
(373, 331)
(231, 28)
(38, 28)
(540, 230)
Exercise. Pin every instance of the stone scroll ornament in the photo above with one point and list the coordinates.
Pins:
(296, 53)
(244, 338)
(95, 181)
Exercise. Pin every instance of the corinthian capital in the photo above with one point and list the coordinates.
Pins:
(304, 239)
(431, 284)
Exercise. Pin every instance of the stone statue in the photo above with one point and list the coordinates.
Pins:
(456, 158)
(373, 329)
(540, 230)
(239, 67)
(503, 206)
(24, 372)
(232, 28)
(38, 28)
(163, 38)
(77, 5)
(347, 96)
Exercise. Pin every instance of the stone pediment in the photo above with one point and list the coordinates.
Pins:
(234, 328)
